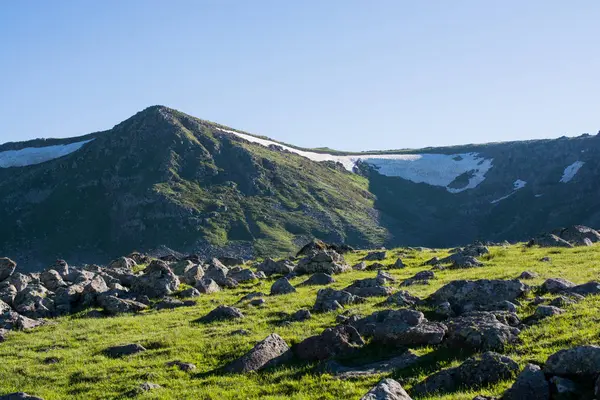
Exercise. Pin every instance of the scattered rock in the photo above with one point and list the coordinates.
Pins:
(218, 273)
(402, 299)
(528, 275)
(480, 331)
(548, 240)
(257, 302)
(420, 278)
(577, 361)
(361, 266)
(399, 264)
(190, 293)
(375, 256)
(545, 259)
(185, 367)
(341, 339)
(207, 286)
(221, 313)
(475, 372)
(7, 267)
(282, 286)
(122, 263)
(531, 384)
(192, 274)
(169, 303)
(270, 352)
(124, 350)
(387, 389)
(542, 312)
(52, 280)
(318, 279)
(556, 285)
(330, 300)
(243, 275)
(114, 305)
(270, 267)
(473, 295)
(157, 280)
(326, 261)
(19, 396)
(301, 315)
(579, 235)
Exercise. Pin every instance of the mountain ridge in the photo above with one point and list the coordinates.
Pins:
(163, 179)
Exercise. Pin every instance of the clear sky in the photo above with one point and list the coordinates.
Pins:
(346, 74)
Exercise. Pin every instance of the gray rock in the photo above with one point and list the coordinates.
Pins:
(169, 303)
(330, 300)
(401, 327)
(562, 301)
(7, 292)
(243, 275)
(473, 295)
(19, 280)
(387, 389)
(7, 267)
(114, 305)
(564, 389)
(318, 279)
(586, 289)
(480, 331)
(52, 280)
(548, 240)
(122, 263)
(402, 298)
(336, 341)
(399, 264)
(556, 285)
(270, 352)
(475, 372)
(528, 275)
(444, 310)
(192, 274)
(270, 267)
(221, 313)
(282, 286)
(531, 384)
(217, 272)
(547, 311)
(207, 286)
(257, 302)
(301, 315)
(375, 256)
(579, 235)
(157, 280)
(124, 350)
(326, 261)
(33, 302)
(189, 293)
(361, 266)
(576, 361)
(185, 367)
(11, 320)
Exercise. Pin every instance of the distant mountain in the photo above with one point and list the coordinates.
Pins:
(163, 180)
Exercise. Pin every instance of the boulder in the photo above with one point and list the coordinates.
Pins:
(243, 275)
(318, 279)
(192, 274)
(556, 285)
(480, 331)
(270, 352)
(548, 240)
(157, 280)
(282, 286)
(207, 286)
(401, 327)
(33, 302)
(19, 280)
(475, 372)
(124, 350)
(387, 389)
(169, 303)
(531, 384)
(326, 261)
(336, 341)
(52, 280)
(420, 278)
(582, 361)
(399, 264)
(122, 263)
(542, 312)
(586, 289)
(528, 275)
(301, 315)
(139, 258)
(270, 267)
(190, 292)
(182, 366)
(113, 305)
(216, 271)
(61, 267)
(7, 267)
(221, 313)
(361, 266)
(330, 300)
(579, 235)
(7, 292)
(474, 295)
(402, 299)
(231, 261)
(11, 320)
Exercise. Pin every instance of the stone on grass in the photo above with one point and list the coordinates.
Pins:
(124, 350)
(318, 279)
(207, 286)
(336, 341)
(221, 313)
(282, 286)
(531, 384)
(19, 396)
(387, 389)
(270, 352)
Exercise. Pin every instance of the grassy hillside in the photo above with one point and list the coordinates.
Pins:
(82, 371)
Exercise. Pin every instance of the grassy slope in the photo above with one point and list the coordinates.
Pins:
(83, 372)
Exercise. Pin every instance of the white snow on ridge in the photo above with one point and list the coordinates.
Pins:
(571, 171)
(37, 155)
(517, 185)
(433, 169)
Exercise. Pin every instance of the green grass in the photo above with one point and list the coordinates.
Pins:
(83, 372)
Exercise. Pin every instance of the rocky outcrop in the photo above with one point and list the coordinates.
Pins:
(548, 240)
(326, 261)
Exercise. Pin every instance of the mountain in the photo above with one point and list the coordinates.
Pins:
(163, 180)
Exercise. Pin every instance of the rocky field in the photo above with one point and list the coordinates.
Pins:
(504, 321)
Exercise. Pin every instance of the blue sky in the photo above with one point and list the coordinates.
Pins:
(346, 74)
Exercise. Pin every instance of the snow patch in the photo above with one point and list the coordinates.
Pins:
(517, 185)
(37, 155)
(571, 171)
(433, 169)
